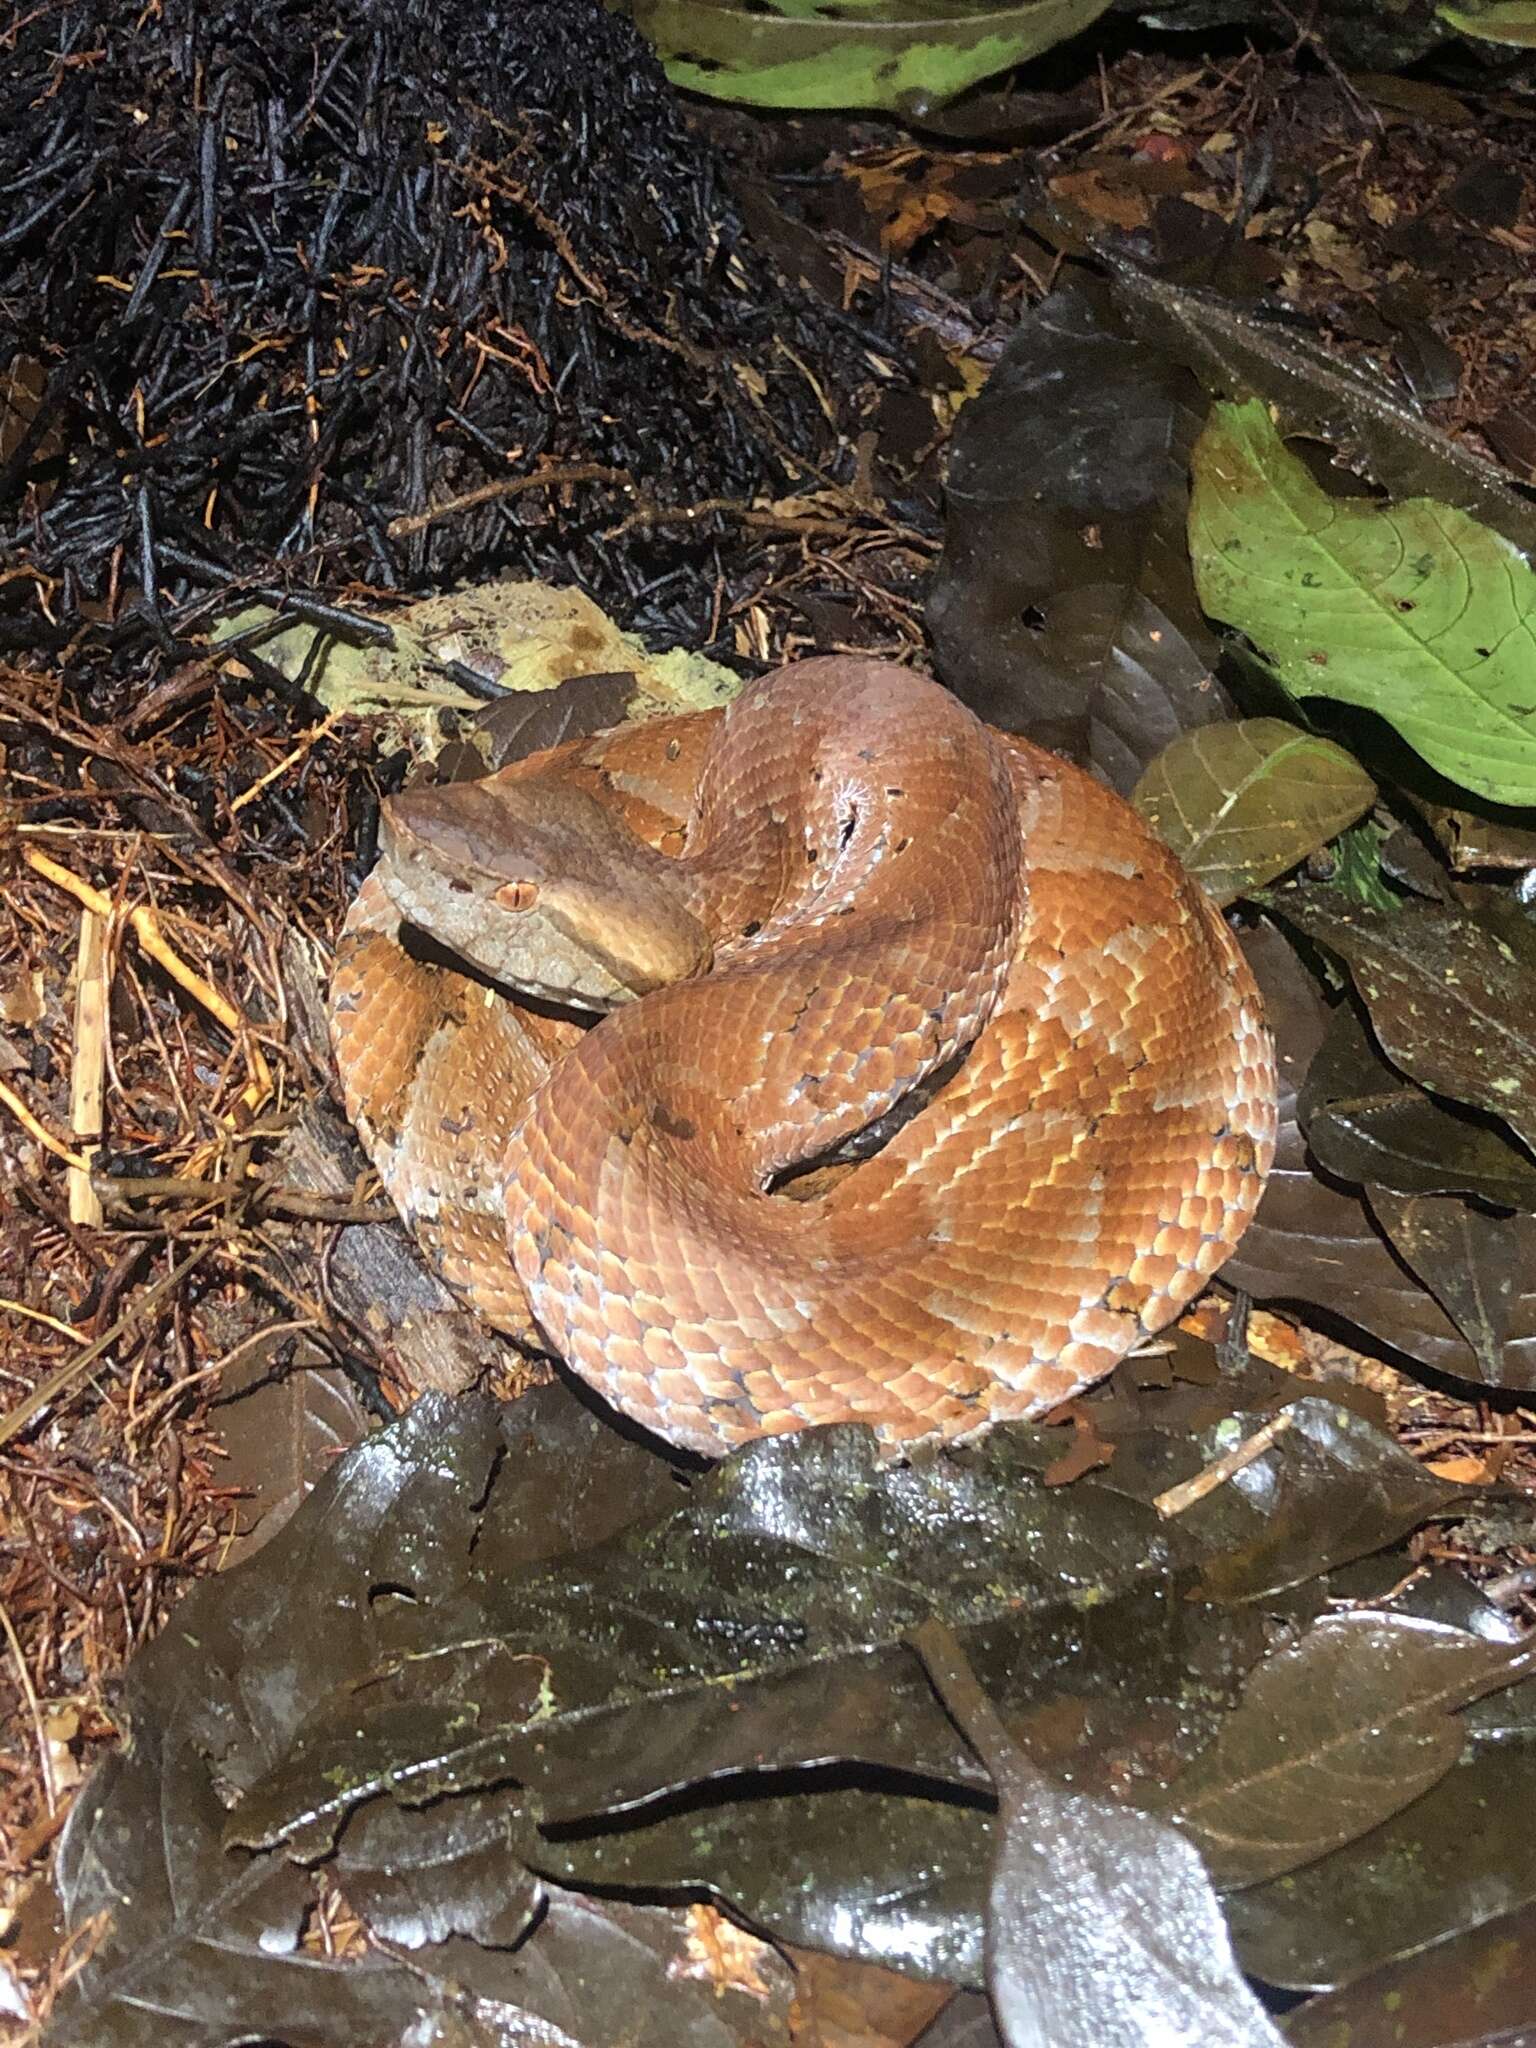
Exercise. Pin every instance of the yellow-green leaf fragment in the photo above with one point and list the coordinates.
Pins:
(1495, 21)
(1413, 610)
(850, 53)
(1242, 802)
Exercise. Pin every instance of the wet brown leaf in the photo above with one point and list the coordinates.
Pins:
(1471, 1262)
(1064, 607)
(1103, 1930)
(1314, 1243)
(1452, 999)
(1332, 1736)
(1475, 1991)
(1365, 1122)
(1461, 1855)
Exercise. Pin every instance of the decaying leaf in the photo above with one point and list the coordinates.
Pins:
(1237, 353)
(1477, 1990)
(1242, 802)
(1064, 607)
(1412, 610)
(193, 1941)
(1451, 995)
(760, 1626)
(1326, 1487)
(1471, 1262)
(1460, 1855)
(1314, 1243)
(872, 1875)
(1364, 1121)
(512, 636)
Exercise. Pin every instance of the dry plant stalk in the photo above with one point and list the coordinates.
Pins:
(146, 929)
(88, 1073)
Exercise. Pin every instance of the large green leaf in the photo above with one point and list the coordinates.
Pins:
(850, 53)
(1495, 21)
(1412, 610)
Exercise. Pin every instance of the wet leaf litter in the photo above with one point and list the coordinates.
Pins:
(577, 1719)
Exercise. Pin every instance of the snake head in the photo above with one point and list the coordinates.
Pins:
(541, 888)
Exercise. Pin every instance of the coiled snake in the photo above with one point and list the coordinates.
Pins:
(841, 896)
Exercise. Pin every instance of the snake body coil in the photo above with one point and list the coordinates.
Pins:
(842, 895)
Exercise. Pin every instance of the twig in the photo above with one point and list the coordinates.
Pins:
(63, 1377)
(1175, 1499)
(725, 508)
(87, 1080)
(29, 1694)
(310, 740)
(278, 1201)
(37, 1315)
(33, 1128)
(507, 487)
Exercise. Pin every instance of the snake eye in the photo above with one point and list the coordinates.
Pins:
(518, 895)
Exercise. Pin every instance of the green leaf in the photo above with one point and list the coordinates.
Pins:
(850, 53)
(1413, 610)
(1241, 803)
(1358, 873)
(1495, 21)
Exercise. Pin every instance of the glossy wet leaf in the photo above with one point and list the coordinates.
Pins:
(1475, 1991)
(1452, 997)
(1064, 607)
(606, 1971)
(1365, 1122)
(759, 1626)
(1333, 1735)
(1471, 1262)
(465, 1874)
(1313, 1242)
(1103, 1930)
(1238, 353)
(850, 53)
(1307, 1484)
(871, 1875)
(1242, 802)
(1458, 1857)
(1117, 1694)
(196, 1940)
(1412, 610)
